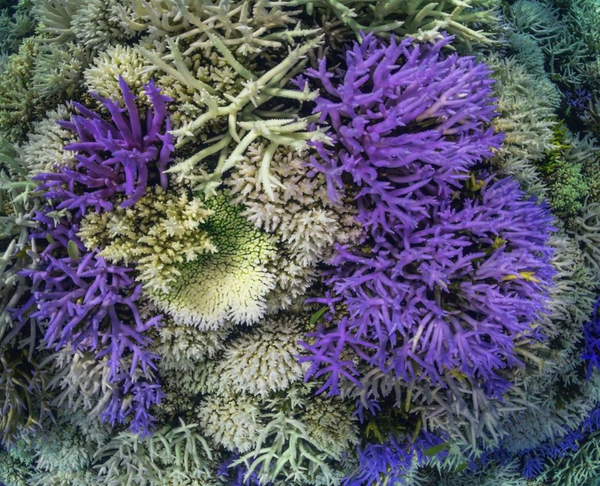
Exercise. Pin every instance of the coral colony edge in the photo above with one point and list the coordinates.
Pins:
(299, 242)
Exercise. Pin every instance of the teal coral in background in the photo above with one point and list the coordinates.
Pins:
(174, 211)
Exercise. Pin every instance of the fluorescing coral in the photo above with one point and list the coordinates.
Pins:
(457, 270)
(117, 157)
(90, 304)
(400, 174)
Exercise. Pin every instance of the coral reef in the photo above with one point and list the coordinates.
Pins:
(299, 242)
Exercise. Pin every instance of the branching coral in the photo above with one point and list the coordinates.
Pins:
(18, 106)
(472, 21)
(94, 24)
(159, 233)
(457, 270)
(283, 198)
(115, 158)
(400, 173)
(117, 61)
(242, 116)
(43, 151)
(264, 361)
(58, 71)
(173, 455)
(88, 303)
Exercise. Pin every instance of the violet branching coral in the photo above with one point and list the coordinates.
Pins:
(90, 304)
(457, 268)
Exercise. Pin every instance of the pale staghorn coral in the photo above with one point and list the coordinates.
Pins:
(161, 231)
(177, 455)
(291, 448)
(282, 197)
(248, 26)
(472, 21)
(234, 120)
(585, 231)
(264, 360)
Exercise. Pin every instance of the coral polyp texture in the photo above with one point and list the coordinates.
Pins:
(300, 243)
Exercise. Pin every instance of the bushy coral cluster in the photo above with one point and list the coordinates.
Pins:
(310, 243)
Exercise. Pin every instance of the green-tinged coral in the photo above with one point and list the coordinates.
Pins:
(537, 18)
(229, 284)
(16, 24)
(94, 24)
(177, 455)
(12, 471)
(231, 421)
(18, 101)
(527, 106)
(201, 261)
(159, 233)
(585, 230)
(58, 71)
(43, 150)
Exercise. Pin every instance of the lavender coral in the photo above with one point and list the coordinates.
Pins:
(407, 124)
(457, 267)
(87, 302)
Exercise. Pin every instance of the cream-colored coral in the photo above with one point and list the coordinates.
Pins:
(43, 151)
(330, 424)
(264, 360)
(232, 421)
(102, 76)
(183, 347)
(159, 232)
(230, 284)
(288, 201)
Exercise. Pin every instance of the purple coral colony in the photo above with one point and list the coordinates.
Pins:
(303, 242)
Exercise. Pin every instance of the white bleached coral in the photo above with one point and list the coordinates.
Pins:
(43, 151)
(161, 231)
(232, 421)
(102, 76)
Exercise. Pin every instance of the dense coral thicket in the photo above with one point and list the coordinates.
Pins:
(214, 211)
(456, 270)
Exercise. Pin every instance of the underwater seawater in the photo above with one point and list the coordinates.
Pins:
(299, 243)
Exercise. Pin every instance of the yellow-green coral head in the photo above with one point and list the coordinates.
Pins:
(230, 284)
